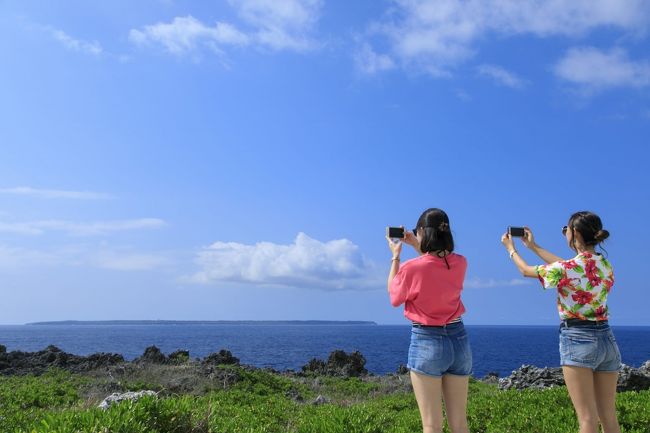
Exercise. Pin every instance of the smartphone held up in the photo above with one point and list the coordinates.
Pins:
(395, 232)
(516, 232)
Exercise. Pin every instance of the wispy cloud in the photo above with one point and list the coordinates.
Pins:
(102, 257)
(80, 229)
(502, 76)
(86, 47)
(306, 263)
(54, 193)
(437, 35)
(593, 70)
(187, 34)
(274, 24)
(488, 283)
(369, 62)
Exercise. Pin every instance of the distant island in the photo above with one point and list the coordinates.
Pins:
(207, 322)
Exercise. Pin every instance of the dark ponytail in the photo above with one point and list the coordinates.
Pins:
(436, 235)
(590, 227)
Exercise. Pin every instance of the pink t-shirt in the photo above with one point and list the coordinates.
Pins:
(430, 291)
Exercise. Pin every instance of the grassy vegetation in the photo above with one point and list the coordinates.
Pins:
(260, 401)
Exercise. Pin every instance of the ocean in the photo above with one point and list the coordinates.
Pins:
(499, 349)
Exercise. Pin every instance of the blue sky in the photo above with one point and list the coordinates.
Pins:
(240, 159)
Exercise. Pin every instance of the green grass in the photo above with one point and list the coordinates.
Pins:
(58, 402)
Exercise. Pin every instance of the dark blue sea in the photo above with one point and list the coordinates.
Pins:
(498, 349)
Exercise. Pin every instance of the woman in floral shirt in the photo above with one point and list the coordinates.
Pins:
(588, 352)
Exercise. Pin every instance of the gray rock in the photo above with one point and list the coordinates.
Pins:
(18, 362)
(152, 355)
(117, 398)
(633, 379)
(338, 364)
(223, 357)
(529, 376)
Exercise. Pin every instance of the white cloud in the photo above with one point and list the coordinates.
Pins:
(54, 193)
(80, 229)
(78, 45)
(281, 24)
(502, 76)
(488, 283)
(306, 263)
(369, 62)
(274, 24)
(592, 69)
(187, 34)
(436, 35)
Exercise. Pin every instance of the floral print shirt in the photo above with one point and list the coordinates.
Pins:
(582, 284)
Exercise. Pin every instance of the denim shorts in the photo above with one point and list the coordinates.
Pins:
(591, 346)
(440, 350)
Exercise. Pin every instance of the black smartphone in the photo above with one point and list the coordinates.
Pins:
(518, 232)
(395, 232)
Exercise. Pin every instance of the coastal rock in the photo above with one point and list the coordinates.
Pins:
(3, 348)
(339, 364)
(529, 376)
(117, 398)
(152, 355)
(223, 357)
(18, 362)
(179, 356)
(633, 379)
(402, 369)
(492, 377)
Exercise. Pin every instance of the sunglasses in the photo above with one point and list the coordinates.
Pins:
(564, 229)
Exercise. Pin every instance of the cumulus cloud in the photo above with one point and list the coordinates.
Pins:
(305, 263)
(273, 24)
(80, 229)
(502, 76)
(436, 35)
(78, 45)
(593, 70)
(54, 193)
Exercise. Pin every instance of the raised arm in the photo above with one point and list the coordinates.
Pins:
(396, 249)
(525, 269)
(529, 241)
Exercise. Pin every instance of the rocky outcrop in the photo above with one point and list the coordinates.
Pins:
(529, 376)
(338, 364)
(117, 398)
(152, 355)
(223, 357)
(18, 362)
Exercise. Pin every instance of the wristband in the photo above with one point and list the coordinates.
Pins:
(512, 253)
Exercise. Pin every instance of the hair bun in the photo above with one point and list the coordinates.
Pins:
(443, 227)
(601, 235)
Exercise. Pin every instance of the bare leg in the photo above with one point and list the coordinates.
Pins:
(428, 393)
(605, 387)
(580, 383)
(454, 391)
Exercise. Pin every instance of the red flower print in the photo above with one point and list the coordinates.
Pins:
(608, 285)
(582, 297)
(601, 312)
(587, 255)
(564, 282)
(569, 264)
(590, 267)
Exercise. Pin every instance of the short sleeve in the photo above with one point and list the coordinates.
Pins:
(400, 287)
(551, 274)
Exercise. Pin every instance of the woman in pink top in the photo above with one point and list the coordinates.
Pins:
(429, 286)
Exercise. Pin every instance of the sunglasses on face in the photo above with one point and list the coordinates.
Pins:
(564, 229)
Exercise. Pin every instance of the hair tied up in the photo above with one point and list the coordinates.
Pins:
(443, 227)
(601, 235)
